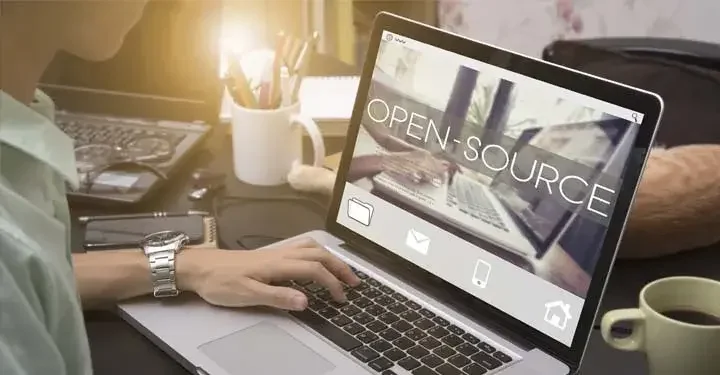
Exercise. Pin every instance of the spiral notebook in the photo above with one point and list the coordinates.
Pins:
(329, 101)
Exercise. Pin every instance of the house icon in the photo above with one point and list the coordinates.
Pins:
(557, 313)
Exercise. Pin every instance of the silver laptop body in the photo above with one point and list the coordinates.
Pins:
(441, 304)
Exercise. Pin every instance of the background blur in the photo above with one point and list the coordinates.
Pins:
(522, 25)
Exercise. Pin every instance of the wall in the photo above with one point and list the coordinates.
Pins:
(526, 26)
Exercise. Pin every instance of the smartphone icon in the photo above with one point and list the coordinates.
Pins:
(482, 273)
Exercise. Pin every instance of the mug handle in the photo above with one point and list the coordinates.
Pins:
(313, 130)
(636, 340)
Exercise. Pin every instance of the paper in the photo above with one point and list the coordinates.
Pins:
(116, 179)
(417, 241)
(360, 211)
(328, 98)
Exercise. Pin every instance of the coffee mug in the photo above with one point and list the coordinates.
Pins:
(267, 143)
(677, 326)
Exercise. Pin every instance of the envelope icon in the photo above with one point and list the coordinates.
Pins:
(417, 241)
(360, 211)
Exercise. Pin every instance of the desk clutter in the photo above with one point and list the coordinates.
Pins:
(266, 123)
(121, 160)
(261, 79)
(126, 231)
(278, 78)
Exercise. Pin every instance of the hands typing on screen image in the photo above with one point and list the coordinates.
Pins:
(402, 161)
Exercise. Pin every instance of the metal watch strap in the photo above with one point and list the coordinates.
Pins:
(162, 271)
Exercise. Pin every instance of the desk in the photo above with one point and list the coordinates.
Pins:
(119, 349)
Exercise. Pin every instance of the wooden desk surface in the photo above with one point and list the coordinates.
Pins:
(333, 161)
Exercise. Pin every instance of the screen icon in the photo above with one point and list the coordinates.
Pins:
(557, 314)
(417, 241)
(360, 211)
(482, 273)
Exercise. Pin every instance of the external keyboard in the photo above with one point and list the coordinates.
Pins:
(92, 131)
(387, 331)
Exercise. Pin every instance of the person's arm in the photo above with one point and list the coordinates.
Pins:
(222, 277)
(386, 140)
(105, 277)
(364, 166)
(40, 313)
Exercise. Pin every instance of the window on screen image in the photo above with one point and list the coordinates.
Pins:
(479, 155)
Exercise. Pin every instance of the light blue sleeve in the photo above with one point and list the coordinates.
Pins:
(39, 333)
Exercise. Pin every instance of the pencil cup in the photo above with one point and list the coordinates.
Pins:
(267, 143)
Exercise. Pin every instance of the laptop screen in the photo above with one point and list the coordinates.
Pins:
(498, 183)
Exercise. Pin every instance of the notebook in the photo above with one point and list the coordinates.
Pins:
(211, 237)
(327, 100)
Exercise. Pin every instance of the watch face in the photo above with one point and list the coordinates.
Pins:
(165, 238)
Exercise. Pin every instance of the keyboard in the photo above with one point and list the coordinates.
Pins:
(389, 331)
(471, 199)
(95, 131)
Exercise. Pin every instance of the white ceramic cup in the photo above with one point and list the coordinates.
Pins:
(267, 143)
(672, 347)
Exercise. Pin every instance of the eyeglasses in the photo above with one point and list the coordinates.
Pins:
(93, 160)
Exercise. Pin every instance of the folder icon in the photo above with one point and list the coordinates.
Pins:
(360, 211)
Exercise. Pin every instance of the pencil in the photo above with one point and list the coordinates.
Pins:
(294, 52)
(277, 63)
(303, 65)
(242, 86)
(287, 46)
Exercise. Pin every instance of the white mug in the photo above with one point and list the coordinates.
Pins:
(267, 143)
(672, 347)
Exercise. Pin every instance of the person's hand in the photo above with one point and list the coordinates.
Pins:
(452, 168)
(243, 278)
(418, 167)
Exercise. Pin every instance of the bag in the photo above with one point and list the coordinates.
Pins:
(691, 93)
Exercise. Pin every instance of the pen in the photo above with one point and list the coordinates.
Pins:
(301, 57)
(286, 98)
(147, 215)
(264, 95)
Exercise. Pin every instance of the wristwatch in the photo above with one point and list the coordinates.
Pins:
(160, 248)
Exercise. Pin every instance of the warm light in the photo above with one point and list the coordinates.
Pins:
(232, 44)
(238, 37)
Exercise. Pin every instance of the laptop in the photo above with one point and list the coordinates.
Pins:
(151, 103)
(501, 210)
(430, 302)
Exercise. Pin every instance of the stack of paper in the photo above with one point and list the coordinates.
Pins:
(329, 101)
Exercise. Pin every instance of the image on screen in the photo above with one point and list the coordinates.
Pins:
(521, 173)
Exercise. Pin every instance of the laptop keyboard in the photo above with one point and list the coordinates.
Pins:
(92, 132)
(471, 199)
(386, 330)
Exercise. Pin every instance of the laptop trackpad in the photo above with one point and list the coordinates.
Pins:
(264, 349)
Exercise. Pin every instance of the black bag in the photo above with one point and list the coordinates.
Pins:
(691, 92)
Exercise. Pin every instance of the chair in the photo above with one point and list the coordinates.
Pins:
(701, 54)
(677, 206)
